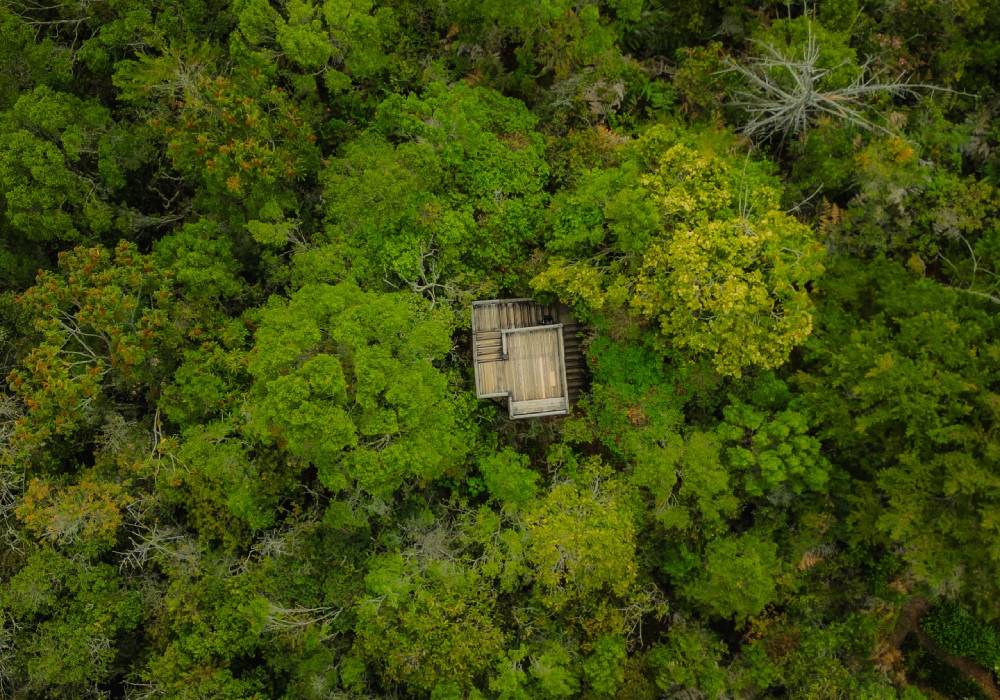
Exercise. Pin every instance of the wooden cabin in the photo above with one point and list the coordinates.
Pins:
(519, 351)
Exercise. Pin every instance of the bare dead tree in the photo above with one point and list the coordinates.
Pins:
(11, 485)
(143, 690)
(10, 410)
(427, 281)
(295, 619)
(148, 541)
(601, 97)
(12, 477)
(8, 668)
(30, 12)
(784, 93)
(272, 544)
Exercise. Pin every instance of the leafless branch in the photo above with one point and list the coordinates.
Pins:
(427, 280)
(784, 94)
(989, 291)
(289, 620)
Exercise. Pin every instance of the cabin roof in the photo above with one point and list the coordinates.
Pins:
(518, 353)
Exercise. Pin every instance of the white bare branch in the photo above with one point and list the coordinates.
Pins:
(295, 619)
(783, 93)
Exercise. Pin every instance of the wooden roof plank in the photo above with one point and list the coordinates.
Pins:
(528, 364)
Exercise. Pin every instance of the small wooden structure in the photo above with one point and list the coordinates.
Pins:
(519, 353)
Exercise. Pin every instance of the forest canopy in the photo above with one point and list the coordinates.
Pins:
(241, 453)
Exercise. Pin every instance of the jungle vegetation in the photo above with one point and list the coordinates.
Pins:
(240, 450)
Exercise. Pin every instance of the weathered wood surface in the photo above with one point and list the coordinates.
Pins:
(534, 365)
(546, 406)
(518, 357)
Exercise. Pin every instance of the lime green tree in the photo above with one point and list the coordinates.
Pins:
(739, 576)
(580, 544)
(430, 626)
(345, 381)
(344, 43)
(464, 201)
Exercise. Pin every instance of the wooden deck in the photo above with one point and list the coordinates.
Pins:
(535, 363)
(518, 354)
(527, 367)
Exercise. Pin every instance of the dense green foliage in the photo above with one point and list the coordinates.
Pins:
(240, 451)
(961, 633)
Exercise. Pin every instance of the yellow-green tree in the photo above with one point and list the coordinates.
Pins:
(692, 239)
